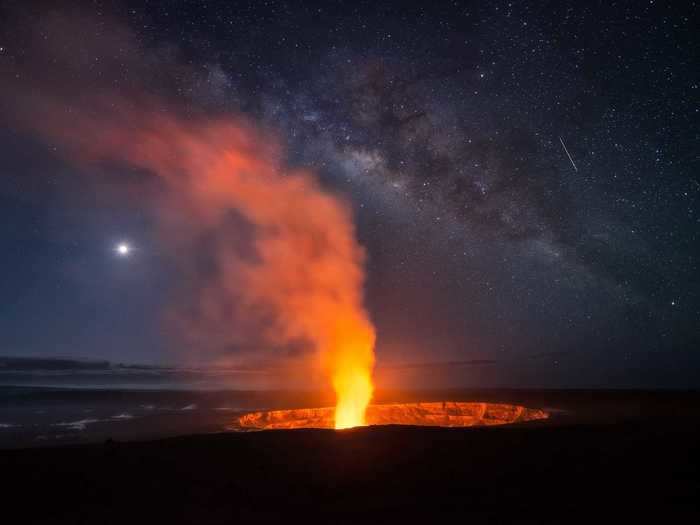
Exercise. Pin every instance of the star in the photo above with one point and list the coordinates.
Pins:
(123, 249)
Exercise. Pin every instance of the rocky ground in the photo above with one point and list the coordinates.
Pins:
(607, 458)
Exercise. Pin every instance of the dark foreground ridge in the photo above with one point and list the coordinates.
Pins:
(638, 462)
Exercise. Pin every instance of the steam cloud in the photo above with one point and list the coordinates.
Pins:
(266, 254)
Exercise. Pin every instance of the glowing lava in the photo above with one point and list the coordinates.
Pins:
(444, 414)
(354, 391)
(351, 373)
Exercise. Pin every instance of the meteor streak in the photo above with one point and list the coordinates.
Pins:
(568, 154)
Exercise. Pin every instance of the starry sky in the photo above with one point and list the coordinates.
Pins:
(523, 176)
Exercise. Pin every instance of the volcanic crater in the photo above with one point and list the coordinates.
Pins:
(438, 414)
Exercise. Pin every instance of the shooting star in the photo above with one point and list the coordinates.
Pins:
(568, 154)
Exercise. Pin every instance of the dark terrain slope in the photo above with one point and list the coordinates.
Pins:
(616, 469)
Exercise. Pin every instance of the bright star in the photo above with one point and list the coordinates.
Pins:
(123, 249)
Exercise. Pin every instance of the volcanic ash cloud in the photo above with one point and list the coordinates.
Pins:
(295, 280)
(269, 265)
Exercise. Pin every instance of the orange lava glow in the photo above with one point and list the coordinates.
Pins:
(352, 379)
(443, 414)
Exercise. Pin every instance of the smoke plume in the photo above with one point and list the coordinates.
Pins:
(268, 258)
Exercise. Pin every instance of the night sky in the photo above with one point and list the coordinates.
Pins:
(523, 176)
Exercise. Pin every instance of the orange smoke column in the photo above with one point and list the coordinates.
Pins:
(269, 260)
(306, 273)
